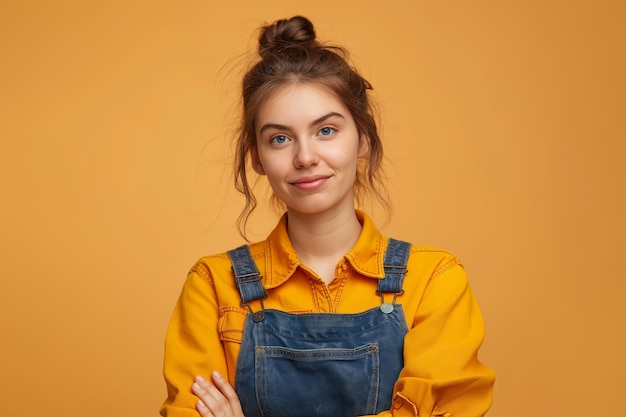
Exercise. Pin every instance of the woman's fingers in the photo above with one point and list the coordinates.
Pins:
(218, 399)
(212, 402)
(203, 409)
(233, 399)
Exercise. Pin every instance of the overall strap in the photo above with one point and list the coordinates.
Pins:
(247, 276)
(396, 257)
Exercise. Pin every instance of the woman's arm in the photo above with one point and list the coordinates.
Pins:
(442, 375)
(192, 344)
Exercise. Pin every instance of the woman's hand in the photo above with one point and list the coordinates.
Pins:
(217, 399)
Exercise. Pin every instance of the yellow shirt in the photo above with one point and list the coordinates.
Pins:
(442, 375)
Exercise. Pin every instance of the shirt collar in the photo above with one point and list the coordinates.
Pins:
(281, 260)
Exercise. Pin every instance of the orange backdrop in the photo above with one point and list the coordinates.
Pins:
(504, 124)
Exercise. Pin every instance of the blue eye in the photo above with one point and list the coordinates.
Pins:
(279, 139)
(326, 131)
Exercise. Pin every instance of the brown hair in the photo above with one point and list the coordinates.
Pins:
(290, 54)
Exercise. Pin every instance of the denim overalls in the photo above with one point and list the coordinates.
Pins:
(320, 364)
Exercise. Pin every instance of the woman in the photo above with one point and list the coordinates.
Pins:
(326, 317)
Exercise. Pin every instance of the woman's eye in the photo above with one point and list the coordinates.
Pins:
(278, 139)
(325, 131)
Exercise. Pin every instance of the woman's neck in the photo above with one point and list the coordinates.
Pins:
(323, 237)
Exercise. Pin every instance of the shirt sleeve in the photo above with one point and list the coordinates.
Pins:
(192, 344)
(442, 375)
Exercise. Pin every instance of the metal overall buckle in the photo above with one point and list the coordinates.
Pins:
(388, 307)
(257, 316)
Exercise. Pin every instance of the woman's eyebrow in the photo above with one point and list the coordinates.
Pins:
(312, 124)
(273, 126)
(326, 117)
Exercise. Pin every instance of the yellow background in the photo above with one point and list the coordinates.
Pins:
(504, 125)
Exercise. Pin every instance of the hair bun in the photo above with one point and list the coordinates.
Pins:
(297, 30)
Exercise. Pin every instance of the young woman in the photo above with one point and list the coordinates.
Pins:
(326, 317)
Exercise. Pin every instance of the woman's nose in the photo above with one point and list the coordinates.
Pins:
(306, 154)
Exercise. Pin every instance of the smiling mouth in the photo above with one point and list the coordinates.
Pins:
(310, 183)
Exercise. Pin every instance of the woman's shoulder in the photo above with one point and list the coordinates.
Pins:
(431, 260)
(430, 251)
(218, 264)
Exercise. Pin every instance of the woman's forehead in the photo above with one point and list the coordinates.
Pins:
(299, 102)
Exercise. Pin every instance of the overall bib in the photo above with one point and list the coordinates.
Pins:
(320, 364)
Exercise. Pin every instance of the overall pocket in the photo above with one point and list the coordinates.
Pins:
(327, 382)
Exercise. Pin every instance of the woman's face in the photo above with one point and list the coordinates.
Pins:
(308, 146)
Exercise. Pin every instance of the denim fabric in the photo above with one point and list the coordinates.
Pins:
(322, 364)
(246, 272)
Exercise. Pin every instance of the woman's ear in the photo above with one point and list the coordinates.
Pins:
(364, 146)
(256, 162)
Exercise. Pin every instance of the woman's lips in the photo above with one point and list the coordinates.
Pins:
(310, 183)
